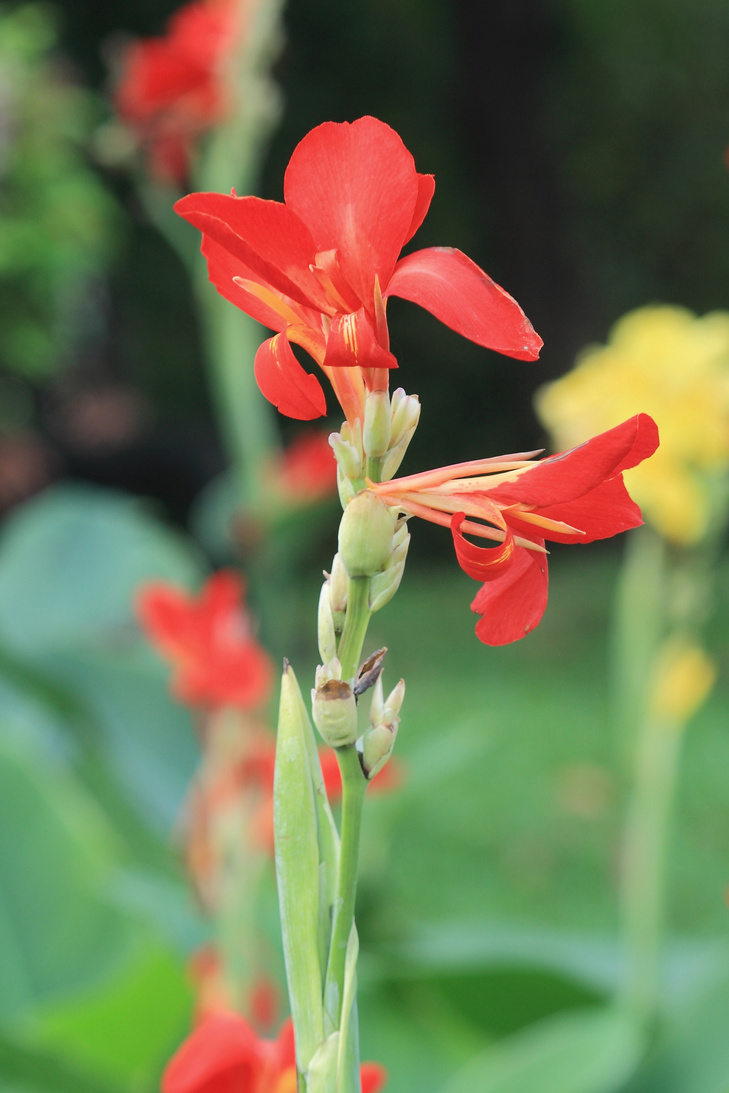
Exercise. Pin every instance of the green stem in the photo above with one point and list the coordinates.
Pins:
(354, 785)
(246, 419)
(356, 622)
(644, 866)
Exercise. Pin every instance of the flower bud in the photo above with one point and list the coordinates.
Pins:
(366, 535)
(345, 488)
(383, 586)
(334, 709)
(405, 416)
(326, 634)
(393, 703)
(338, 590)
(377, 745)
(376, 432)
(348, 458)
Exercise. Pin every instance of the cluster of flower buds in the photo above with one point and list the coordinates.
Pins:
(389, 424)
(334, 709)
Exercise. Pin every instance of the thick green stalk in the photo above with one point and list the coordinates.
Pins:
(354, 785)
(356, 622)
(645, 845)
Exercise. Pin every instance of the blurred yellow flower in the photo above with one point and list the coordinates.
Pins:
(684, 677)
(668, 363)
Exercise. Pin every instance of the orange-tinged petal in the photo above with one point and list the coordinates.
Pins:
(352, 343)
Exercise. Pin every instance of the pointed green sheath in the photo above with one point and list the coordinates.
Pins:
(296, 837)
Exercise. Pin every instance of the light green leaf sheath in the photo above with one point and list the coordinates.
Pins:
(297, 869)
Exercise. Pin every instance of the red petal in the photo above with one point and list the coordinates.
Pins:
(569, 475)
(356, 188)
(284, 382)
(265, 236)
(514, 604)
(222, 268)
(426, 189)
(481, 563)
(454, 289)
(167, 617)
(352, 343)
(373, 1077)
(222, 1054)
(607, 510)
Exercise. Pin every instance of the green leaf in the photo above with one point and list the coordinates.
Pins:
(27, 1070)
(692, 1055)
(297, 871)
(71, 561)
(58, 930)
(582, 1052)
(127, 1029)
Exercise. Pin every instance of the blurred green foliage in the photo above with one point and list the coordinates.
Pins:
(56, 216)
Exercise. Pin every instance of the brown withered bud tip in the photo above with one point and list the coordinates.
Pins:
(334, 689)
(286, 665)
(370, 671)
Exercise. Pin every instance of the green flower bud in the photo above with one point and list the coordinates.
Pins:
(376, 432)
(334, 709)
(377, 745)
(366, 535)
(348, 458)
(325, 625)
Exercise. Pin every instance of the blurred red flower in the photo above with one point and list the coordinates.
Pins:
(224, 1055)
(254, 775)
(173, 88)
(208, 640)
(575, 496)
(305, 472)
(318, 268)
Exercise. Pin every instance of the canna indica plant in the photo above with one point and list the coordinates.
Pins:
(318, 270)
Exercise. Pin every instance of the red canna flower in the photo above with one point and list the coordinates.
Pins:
(224, 1055)
(208, 639)
(172, 89)
(575, 496)
(319, 268)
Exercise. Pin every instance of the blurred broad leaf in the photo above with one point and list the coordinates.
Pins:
(70, 563)
(58, 931)
(581, 1052)
(127, 1029)
(692, 1055)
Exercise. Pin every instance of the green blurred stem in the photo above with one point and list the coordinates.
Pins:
(354, 785)
(246, 419)
(645, 848)
(356, 622)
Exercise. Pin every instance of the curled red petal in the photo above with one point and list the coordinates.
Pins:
(481, 563)
(284, 382)
(572, 474)
(352, 343)
(514, 604)
(454, 289)
(356, 188)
